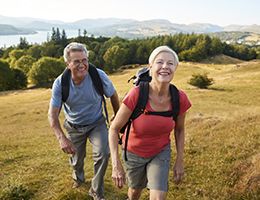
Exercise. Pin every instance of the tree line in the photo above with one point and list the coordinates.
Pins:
(40, 64)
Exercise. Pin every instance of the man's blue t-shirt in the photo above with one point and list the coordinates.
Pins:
(84, 104)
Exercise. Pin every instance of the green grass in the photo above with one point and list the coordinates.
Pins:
(222, 151)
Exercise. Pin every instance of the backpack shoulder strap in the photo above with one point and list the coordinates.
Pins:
(93, 72)
(138, 110)
(175, 99)
(65, 84)
(142, 100)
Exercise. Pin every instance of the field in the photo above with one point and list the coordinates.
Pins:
(222, 151)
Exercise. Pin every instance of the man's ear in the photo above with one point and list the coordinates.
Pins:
(67, 65)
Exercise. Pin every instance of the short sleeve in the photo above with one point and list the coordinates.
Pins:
(109, 89)
(56, 93)
(131, 98)
(185, 103)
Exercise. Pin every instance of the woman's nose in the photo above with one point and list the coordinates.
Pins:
(165, 65)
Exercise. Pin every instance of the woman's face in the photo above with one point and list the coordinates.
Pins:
(163, 67)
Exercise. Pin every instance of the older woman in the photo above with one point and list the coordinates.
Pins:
(149, 150)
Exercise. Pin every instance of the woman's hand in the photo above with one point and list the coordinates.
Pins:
(178, 172)
(118, 175)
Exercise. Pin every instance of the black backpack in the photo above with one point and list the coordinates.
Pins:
(65, 85)
(142, 79)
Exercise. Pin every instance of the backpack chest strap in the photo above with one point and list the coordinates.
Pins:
(162, 113)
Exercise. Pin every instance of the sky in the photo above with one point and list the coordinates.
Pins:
(219, 12)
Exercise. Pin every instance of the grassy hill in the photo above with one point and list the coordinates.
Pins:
(222, 152)
(222, 59)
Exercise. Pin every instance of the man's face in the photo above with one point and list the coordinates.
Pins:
(78, 64)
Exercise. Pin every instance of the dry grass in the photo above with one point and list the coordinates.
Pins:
(222, 140)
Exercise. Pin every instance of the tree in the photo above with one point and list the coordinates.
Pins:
(85, 33)
(1, 52)
(64, 39)
(114, 57)
(50, 50)
(53, 34)
(19, 79)
(6, 76)
(216, 46)
(35, 51)
(142, 54)
(25, 63)
(15, 55)
(23, 43)
(45, 70)
(58, 37)
(91, 56)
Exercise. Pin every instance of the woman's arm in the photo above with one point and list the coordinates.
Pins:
(179, 142)
(121, 118)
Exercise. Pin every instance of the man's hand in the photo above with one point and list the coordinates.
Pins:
(67, 146)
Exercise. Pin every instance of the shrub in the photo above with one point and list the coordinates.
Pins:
(25, 63)
(6, 76)
(45, 70)
(20, 79)
(200, 81)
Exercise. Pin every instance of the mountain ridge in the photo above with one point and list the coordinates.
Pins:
(126, 28)
(6, 29)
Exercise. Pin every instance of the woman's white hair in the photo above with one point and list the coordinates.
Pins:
(72, 47)
(160, 49)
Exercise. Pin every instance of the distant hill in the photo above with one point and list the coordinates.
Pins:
(251, 28)
(129, 28)
(150, 28)
(248, 38)
(11, 30)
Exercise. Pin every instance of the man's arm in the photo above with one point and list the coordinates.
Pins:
(65, 143)
(115, 103)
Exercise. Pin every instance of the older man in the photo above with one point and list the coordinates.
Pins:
(84, 116)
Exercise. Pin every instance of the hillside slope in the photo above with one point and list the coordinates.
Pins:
(221, 152)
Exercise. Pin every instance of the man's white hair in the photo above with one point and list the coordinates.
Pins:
(72, 47)
(160, 49)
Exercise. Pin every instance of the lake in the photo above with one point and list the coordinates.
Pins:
(39, 37)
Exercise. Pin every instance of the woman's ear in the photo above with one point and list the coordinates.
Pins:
(150, 70)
